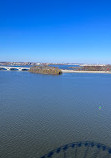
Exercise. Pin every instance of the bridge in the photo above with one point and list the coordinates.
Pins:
(14, 68)
(85, 149)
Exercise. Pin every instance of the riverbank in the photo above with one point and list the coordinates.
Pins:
(72, 71)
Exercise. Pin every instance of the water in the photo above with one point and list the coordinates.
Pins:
(41, 112)
(68, 67)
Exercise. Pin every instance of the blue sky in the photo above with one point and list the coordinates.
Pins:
(55, 31)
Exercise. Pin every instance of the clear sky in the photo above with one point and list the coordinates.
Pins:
(77, 31)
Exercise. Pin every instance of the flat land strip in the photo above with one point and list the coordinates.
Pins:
(72, 71)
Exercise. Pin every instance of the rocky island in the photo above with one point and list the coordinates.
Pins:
(45, 70)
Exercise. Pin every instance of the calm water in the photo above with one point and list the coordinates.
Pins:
(68, 67)
(41, 112)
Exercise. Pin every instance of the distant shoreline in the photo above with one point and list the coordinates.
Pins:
(72, 71)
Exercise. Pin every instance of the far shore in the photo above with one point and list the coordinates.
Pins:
(72, 71)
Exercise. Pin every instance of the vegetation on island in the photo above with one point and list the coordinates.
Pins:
(92, 68)
(45, 70)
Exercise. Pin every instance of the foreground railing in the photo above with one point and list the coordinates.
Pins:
(85, 149)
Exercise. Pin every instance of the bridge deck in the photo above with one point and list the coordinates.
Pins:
(14, 68)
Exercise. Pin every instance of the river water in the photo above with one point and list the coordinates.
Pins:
(41, 112)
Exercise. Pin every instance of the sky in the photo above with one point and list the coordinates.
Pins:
(66, 31)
